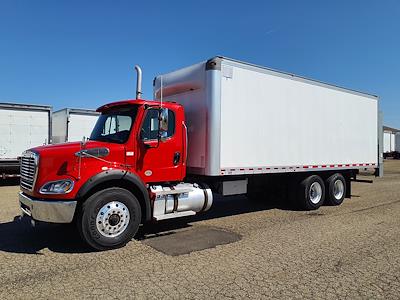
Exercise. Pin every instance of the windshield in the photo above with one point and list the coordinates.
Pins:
(114, 126)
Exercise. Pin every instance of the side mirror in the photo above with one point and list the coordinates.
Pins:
(163, 122)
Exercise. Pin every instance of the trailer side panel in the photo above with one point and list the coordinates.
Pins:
(273, 121)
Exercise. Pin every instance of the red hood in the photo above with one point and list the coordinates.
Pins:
(61, 153)
(73, 146)
(60, 161)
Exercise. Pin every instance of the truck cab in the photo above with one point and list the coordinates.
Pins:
(152, 134)
(108, 183)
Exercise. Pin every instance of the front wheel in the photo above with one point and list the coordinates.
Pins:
(109, 218)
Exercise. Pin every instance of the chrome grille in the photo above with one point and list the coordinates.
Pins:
(29, 164)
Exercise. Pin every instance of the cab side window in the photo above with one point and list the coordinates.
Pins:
(149, 129)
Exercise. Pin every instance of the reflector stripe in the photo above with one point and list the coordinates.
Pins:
(252, 170)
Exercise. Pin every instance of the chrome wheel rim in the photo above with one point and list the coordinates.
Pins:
(112, 219)
(315, 192)
(338, 189)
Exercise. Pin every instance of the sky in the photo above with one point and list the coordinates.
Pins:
(81, 54)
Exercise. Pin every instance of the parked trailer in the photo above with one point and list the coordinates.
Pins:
(72, 124)
(22, 126)
(391, 145)
(389, 141)
(220, 126)
(397, 144)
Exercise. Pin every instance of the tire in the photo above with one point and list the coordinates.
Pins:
(109, 218)
(336, 189)
(311, 193)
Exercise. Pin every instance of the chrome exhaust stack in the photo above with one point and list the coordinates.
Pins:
(138, 82)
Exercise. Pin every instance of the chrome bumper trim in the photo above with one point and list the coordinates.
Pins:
(52, 211)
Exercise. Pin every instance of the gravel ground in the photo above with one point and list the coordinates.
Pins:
(351, 251)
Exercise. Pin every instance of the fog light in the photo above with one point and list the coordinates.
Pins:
(57, 187)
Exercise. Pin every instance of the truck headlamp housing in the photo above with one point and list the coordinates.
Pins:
(57, 187)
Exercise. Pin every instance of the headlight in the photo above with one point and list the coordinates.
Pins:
(57, 187)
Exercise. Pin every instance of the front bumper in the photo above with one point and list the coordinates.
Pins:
(52, 211)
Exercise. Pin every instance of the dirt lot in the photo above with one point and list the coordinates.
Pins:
(267, 250)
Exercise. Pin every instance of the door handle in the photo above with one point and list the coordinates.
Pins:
(177, 158)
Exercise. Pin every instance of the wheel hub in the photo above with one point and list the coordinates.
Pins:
(338, 189)
(112, 219)
(315, 192)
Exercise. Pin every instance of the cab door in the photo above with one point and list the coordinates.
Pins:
(159, 159)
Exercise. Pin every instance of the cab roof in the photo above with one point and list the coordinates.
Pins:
(131, 102)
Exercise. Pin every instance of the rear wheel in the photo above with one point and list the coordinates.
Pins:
(311, 193)
(336, 186)
(109, 218)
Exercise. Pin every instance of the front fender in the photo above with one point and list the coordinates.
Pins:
(122, 176)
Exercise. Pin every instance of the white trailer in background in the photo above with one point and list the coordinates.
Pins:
(391, 142)
(22, 126)
(397, 144)
(389, 139)
(72, 124)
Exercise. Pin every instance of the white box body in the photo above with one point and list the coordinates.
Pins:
(23, 126)
(246, 119)
(71, 125)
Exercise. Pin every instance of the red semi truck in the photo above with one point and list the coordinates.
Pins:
(220, 126)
